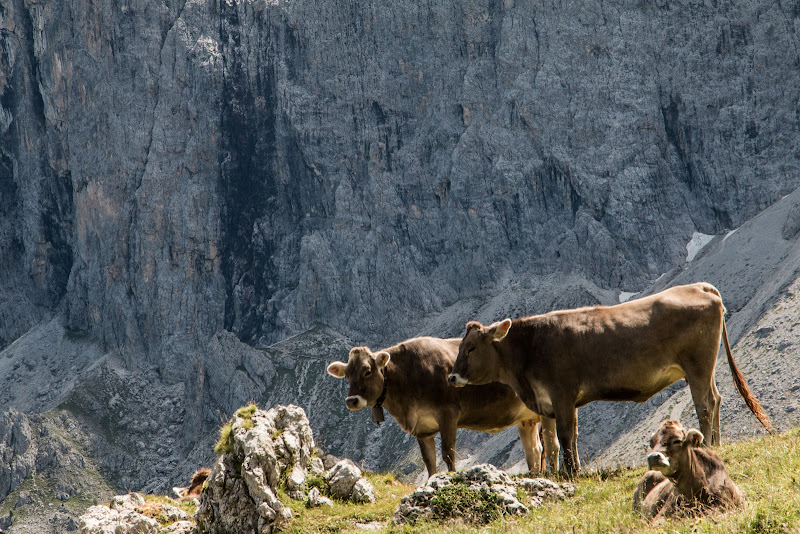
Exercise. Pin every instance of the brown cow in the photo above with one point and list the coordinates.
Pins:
(410, 381)
(562, 360)
(192, 491)
(685, 478)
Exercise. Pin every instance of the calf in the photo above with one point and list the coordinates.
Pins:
(410, 381)
(684, 477)
(562, 360)
(192, 491)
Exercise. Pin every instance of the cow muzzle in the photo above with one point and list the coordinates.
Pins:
(355, 402)
(658, 461)
(456, 380)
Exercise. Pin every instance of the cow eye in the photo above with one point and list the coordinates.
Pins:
(676, 441)
(368, 372)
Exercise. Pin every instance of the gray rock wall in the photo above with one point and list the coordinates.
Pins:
(173, 170)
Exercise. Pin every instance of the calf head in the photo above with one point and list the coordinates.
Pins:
(669, 447)
(364, 372)
(478, 360)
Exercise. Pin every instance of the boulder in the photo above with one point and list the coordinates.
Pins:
(342, 477)
(119, 517)
(486, 483)
(315, 499)
(345, 482)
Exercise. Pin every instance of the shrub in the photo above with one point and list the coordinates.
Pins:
(459, 500)
(225, 442)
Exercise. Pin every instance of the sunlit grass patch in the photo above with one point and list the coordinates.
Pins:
(766, 469)
(345, 516)
(154, 507)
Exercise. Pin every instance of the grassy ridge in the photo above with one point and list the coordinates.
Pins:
(766, 469)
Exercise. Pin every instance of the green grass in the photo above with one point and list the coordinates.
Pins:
(767, 470)
(344, 516)
(153, 508)
(225, 442)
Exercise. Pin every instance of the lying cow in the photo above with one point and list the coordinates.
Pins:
(565, 359)
(685, 478)
(192, 491)
(410, 381)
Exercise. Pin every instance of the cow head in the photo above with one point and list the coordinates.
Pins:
(364, 372)
(478, 360)
(669, 447)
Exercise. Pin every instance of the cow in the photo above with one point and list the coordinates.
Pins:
(192, 491)
(561, 360)
(685, 478)
(410, 380)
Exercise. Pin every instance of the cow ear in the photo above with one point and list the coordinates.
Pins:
(473, 324)
(499, 330)
(382, 358)
(337, 369)
(694, 437)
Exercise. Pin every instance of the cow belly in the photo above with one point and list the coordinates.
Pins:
(496, 420)
(636, 391)
(423, 424)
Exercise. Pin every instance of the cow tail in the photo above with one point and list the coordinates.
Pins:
(741, 385)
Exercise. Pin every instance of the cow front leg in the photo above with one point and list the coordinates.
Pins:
(531, 446)
(427, 447)
(567, 429)
(448, 429)
(550, 443)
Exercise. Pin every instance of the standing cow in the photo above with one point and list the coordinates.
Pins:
(685, 478)
(410, 381)
(562, 360)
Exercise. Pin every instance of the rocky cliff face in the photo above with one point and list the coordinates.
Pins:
(172, 172)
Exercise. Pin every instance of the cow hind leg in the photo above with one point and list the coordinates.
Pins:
(529, 437)
(705, 400)
(716, 434)
(567, 429)
(427, 447)
(650, 480)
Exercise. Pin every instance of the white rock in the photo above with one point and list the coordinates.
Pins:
(295, 483)
(315, 499)
(180, 527)
(363, 491)
(317, 466)
(342, 477)
(122, 520)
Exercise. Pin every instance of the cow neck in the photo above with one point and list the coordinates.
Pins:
(510, 368)
(691, 477)
(377, 409)
(382, 397)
